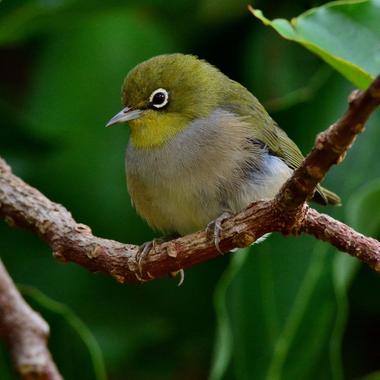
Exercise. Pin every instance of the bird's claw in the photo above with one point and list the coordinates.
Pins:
(148, 246)
(214, 230)
(181, 274)
(143, 251)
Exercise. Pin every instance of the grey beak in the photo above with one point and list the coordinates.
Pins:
(126, 114)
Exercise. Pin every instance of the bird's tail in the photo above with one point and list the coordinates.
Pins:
(326, 197)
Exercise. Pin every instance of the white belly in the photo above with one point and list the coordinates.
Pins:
(262, 185)
(187, 203)
(175, 199)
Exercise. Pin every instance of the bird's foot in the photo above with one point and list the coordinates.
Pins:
(148, 246)
(214, 229)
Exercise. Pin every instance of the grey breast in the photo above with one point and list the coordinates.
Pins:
(214, 165)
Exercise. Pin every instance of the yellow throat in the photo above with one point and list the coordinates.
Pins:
(152, 130)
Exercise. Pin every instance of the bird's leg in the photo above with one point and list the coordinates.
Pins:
(214, 229)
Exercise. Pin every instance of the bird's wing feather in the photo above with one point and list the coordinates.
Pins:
(265, 129)
(278, 142)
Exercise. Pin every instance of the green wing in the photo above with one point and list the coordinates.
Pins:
(242, 102)
(267, 131)
(278, 142)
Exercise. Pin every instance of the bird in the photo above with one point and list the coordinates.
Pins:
(201, 146)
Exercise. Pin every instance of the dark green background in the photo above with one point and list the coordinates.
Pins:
(62, 63)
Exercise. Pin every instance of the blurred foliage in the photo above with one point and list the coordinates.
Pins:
(289, 308)
(76, 324)
(364, 211)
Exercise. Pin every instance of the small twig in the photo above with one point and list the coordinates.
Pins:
(22, 205)
(25, 332)
(343, 237)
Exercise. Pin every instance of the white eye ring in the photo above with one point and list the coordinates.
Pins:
(164, 101)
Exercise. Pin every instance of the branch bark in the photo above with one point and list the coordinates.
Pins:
(22, 205)
(25, 332)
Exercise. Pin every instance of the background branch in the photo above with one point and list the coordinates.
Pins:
(25, 332)
(22, 205)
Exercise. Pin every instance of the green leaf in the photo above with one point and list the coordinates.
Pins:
(346, 34)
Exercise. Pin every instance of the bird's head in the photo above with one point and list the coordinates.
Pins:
(164, 94)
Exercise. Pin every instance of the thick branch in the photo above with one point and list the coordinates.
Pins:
(24, 206)
(25, 332)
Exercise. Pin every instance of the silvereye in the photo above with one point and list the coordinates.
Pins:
(201, 145)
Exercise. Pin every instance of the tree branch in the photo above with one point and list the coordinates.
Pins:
(25, 332)
(330, 147)
(343, 237)
(24, 206)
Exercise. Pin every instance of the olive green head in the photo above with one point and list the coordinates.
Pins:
(164, 94)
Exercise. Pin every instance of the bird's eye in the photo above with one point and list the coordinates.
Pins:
(159, 98)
